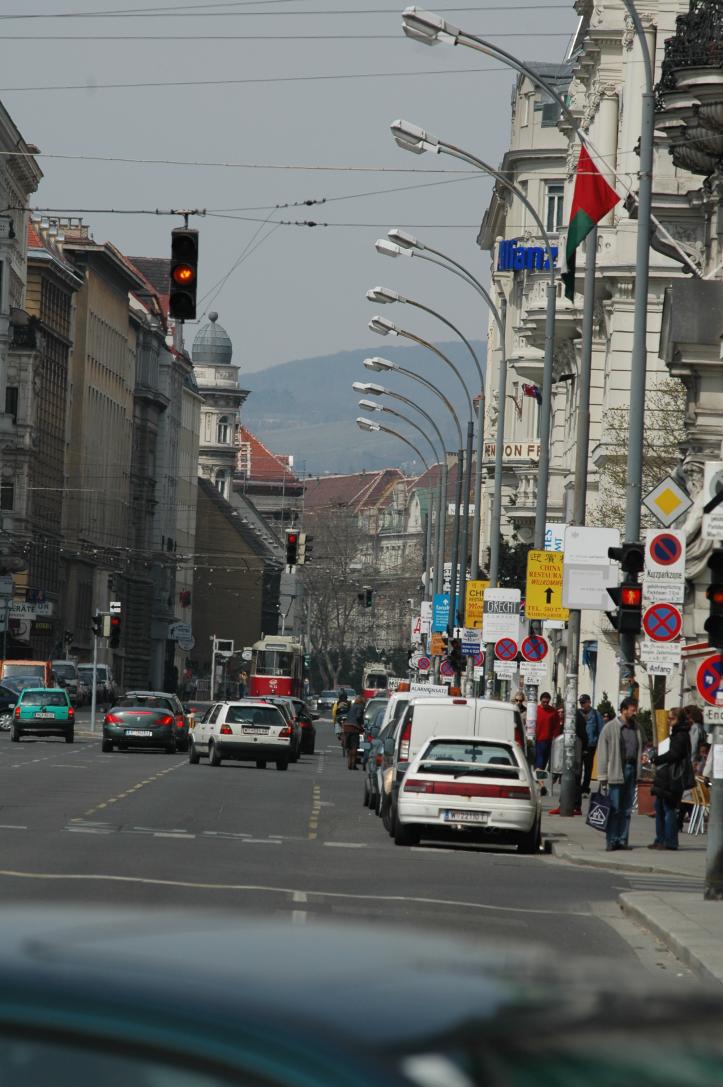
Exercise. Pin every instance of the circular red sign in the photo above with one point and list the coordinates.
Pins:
(662, 622)
(479, 659)
(534, 648)
(446, 669)
(708, 678)
(665, 549)
(506, 649)
(424, 664)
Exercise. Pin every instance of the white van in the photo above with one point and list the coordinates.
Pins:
(399, 701)
(439, 716)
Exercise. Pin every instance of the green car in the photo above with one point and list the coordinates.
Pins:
(43, 711)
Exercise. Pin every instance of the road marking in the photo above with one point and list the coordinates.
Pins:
(147, 781)
(17, 826)
(315, 812)
(299, 896)
(171, 834)
(261, 841)
(346, 845)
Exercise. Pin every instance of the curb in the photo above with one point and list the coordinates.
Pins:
(671, 928)
(574, 856)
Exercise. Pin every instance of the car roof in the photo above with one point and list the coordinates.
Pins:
(166, 694)
(45, 690)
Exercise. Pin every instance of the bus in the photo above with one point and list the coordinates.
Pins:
(276, 667)
(375, 678)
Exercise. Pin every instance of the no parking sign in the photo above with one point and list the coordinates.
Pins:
(708, 678)
(664, 577)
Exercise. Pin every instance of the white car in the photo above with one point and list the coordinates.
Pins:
(469, 788)
(247, 731)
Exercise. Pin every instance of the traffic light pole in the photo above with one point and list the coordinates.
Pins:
(714, 628)
(94, 688)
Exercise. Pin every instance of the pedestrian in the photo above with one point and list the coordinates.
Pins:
(594, 725)
(243, 683)
(352, 729)
(547, 726)
(518, 702)
(672, 777)
(697, 733)
(338, 712)
(580, 751)
(619, 757)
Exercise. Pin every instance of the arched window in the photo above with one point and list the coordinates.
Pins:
(223, 430)
(221, 482)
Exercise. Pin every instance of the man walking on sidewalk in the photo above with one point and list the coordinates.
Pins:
(594, 725)
(619, 755)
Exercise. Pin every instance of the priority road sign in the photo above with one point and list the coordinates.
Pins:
(708, 678)
(543, 598)
(667, 502)
(662, 622)
(506, 649)
(534, 648)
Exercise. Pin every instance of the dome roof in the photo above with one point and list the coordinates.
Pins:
(212, 345)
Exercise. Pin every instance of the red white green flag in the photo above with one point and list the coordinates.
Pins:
(592, 199)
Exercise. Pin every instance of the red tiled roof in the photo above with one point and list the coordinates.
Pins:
(36, 241)
(362, 490)
(265, 466)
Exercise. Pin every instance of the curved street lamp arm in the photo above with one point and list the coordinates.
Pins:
(468, 278)
(416, 426)
(647, 59)
(440, 354)
(437, 392)
(396, 434)
(454, 328)
(410, 403)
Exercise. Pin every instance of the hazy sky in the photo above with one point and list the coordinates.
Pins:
(300, 292)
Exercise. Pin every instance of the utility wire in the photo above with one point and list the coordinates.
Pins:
(194, 38)
(182, 11)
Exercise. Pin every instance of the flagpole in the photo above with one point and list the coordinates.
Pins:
(571, 776)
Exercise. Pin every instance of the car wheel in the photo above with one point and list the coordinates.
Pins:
(70, 737)
(193, 756)
(282, 764)
(531, 841)
(5, 721)
(213, 756)
(107, 746)
(404, 835)
(15, 734)
(261, 764)
(386, 813)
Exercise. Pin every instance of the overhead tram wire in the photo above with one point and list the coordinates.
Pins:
(194, 38)
(186, 11)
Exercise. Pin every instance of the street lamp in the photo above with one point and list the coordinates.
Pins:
(368, 387)
(375, 428)
(386, 328)
(413, 138)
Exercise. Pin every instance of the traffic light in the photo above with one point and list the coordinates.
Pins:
(97, 624)
(306, 546)
(454, 655)
(368, 596)
(68, 637)
(714, 623)
(628, 596)
(292, 547)
(115, 631)
(184, 274)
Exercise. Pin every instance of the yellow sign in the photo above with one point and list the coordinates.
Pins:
(543, 599)
(436, 645)
(474, 603)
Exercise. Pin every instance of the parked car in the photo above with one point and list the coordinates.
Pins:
(371, 707)
(43, 711)
(373, 759)
(306, 718)
(286, 704)
(146, 719)
(66, 675)
(443, 716)
(469, 788)
(326, 700)
(9, 695)
(372, 728)
(37, 673)
(249, 731)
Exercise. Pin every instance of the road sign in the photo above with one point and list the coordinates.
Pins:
(474, 603)
(501, 614)
(436, 645)
(667, 502)
(471, 640)
(713, 715)
(423, 665)
(664, 575)
(440, 611)
(115, 607)
(425, 612)
(543, 596)
(555, 536)
(446, 669)
(534, 648)
(708, 678)
(662, 622)
(505, 669)
(712, 484)
(534, 674)
(589, 546)
(506, 649)
(479, 659)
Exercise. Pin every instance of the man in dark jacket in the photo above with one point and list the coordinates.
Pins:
(669, 781)
(352, 729)
(594, 725)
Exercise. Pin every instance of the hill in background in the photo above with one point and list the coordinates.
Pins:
(308, 408)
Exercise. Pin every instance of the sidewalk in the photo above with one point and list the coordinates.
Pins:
(680, 918)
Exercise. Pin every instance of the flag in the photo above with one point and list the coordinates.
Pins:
(592, 199)
(533, 390)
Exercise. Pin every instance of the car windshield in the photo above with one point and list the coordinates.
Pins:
(253, 715)
(326, 695)
(65, 670)
(150, 701)
(44, 698)
(24, 670)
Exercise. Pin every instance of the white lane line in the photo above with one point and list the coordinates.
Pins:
(171, 834)
(89, 830)
(299, 896)
(12, 826)
(346, 845)
(261, 841)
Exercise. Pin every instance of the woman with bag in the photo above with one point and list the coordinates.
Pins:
(673, 775)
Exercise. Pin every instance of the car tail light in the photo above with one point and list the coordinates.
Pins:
(378, 760)
(17, 711)
(404, 740)
(71, 711)
(287, 731)
(165, 721)
(180, 722)
(415, 785)
(460, 788)
(459, 701)
(226, 730)
(111, 719)
(520, 737)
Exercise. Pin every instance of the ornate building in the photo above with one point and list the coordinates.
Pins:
(218, 383)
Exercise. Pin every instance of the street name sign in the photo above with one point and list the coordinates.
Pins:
(505, 669)
(543, 594)
(664, 574)
(667, 502)
(474, 603)
(712, 485)
(501, 618)
(713, 715)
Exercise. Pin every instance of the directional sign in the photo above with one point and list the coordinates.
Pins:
(534, 648)
(664, 575)
(662, 622)
(667, 502)
(543, 598)
(474, 603)
(708, 678)
(470, 641)
(506, 649)
(501, 614)
(440, 611)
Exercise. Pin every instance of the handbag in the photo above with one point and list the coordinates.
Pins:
(682, 775)
(598, 812)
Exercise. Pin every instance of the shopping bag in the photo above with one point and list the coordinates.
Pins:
(599, 811)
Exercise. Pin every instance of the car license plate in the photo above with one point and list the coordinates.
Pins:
(256, 731)
(138, 732)
(466, 816)
(44, 716)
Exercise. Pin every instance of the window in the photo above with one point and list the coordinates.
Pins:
(7, 495)
(221, 482)
(555, 200)
(223, 430)
(11, 402)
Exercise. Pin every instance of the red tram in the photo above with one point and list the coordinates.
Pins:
(276, 667)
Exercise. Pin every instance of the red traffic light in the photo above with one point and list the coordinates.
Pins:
(631, 596)
(292, 537)
(715, 594)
